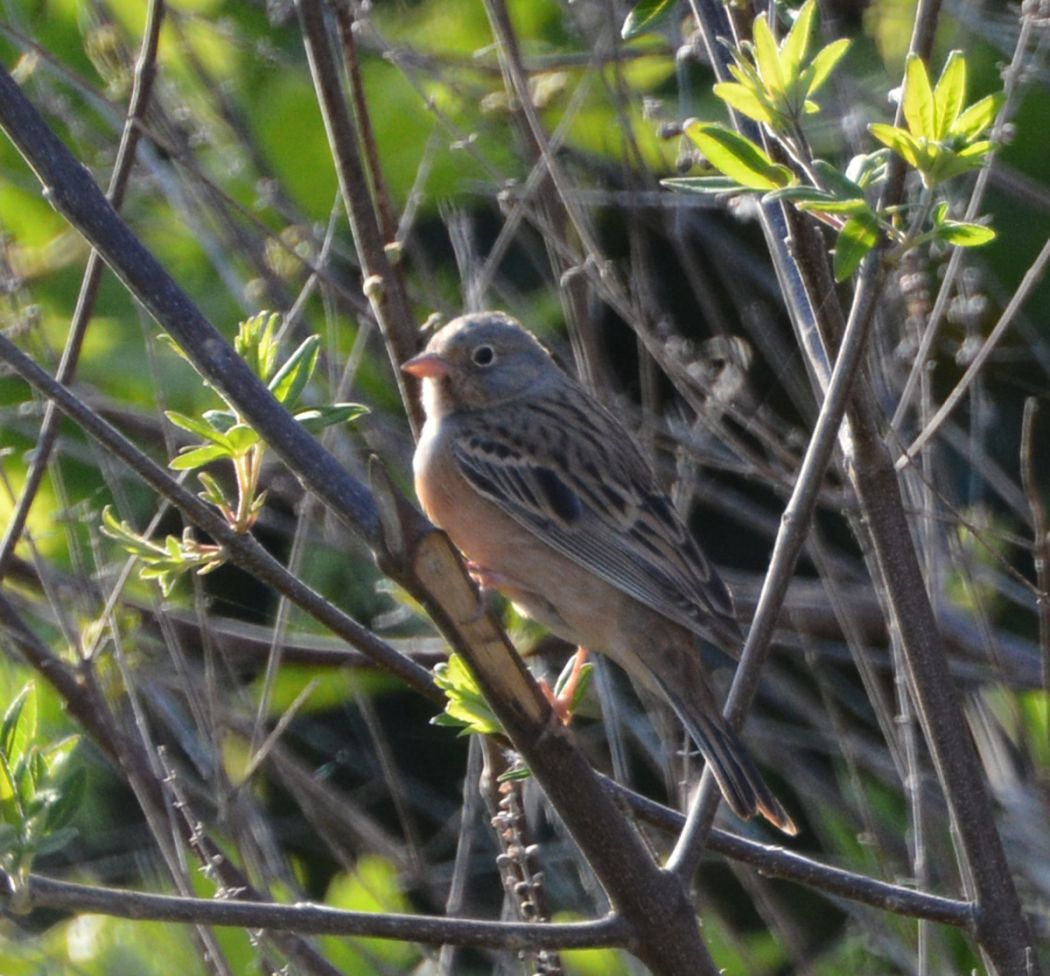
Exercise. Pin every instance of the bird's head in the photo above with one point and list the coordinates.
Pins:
(479, 361)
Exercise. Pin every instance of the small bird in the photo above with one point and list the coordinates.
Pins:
(553, 504)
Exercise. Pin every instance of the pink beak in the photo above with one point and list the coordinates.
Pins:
(426, 365)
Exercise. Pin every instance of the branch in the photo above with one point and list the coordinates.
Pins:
(243, 550)
(145, 71)
(46, 892)
(653, 902)
(384, 283)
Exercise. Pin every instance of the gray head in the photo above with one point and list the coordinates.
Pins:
(481, 360)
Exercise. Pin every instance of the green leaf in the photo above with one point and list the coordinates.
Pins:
(823, 63)
(950, 164)
(858, 205)
(835, 181)
(738, 157)
(129, 540)
(57, 754)
(744, 100)
(950, 94)
(865, 168)
(10, 808)
(964, 234)
(198, 427)
(978, 117)
(242, 439)
(799, 194)
(767, 57)
(290, 380)
(857, 237)
(213, 491)
(794, 47)
(220, 420)
(317, 418)
(256, 344)
(191, 458)
(900, 141)
(70, 796)
(516, 774)
(918, 99)
(466, 706)
(19, 725)
(645, 16)
(705, 185)
(54, 841)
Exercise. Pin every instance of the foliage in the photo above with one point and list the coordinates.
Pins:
(226, 437)
(774, 87)
(39, 796)
(552, 209)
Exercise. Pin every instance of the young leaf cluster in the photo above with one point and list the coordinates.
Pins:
(226, 436)
(774, 84)
(467, 709)
(37, 800)
(943, 138)
(164, 562)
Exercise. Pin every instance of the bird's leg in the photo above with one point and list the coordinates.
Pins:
(561, 702)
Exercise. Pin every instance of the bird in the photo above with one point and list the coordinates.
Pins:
(553, 504)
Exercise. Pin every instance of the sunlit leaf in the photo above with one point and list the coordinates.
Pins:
(964, 234)
(290, 380)
(198, 427)
(857, 237)
(465, 707)
(705, 185)
(242, 438)
(978, 117)
(950, 94)
(645, 16)
(196, 457)
(738, 157)
(900, 141)
(836, 206)
(918, 99)
(19, 725)
(744, 100)
(317, 418)
(767, 56)
(796, 44)
(823, 63)
(70, 797)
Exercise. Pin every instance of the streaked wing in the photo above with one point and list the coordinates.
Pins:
(567, 472)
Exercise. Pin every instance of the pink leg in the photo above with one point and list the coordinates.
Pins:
(487, 579)
(562, 704)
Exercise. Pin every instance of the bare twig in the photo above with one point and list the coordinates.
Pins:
(319, 919)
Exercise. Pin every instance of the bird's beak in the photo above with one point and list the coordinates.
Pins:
(426, 365)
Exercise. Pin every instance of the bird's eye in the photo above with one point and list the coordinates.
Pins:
(483, 356)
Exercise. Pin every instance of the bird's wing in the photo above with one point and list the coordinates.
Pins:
(566, 470)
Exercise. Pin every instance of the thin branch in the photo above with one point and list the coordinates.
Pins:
(241, 549)
(777, 862)
(1040, 534)
(145, 70)
(1032, 277)
(384, 283)
(794, 529)
(44, 892)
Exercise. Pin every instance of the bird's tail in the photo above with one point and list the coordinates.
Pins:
(734, 770)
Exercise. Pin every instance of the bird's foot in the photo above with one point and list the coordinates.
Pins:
(562, 701)
(487, 579)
